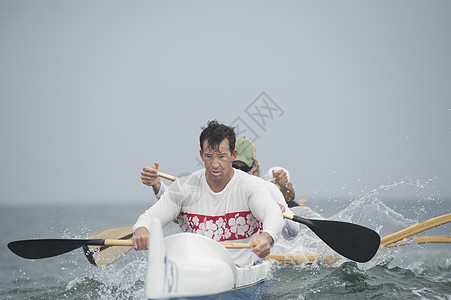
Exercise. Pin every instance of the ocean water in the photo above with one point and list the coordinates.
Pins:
(407, 272)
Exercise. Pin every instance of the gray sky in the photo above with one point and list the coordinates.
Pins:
(350, 96)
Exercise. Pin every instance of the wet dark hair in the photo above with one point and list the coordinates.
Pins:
(215, 133)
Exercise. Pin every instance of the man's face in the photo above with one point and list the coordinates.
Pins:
(218, 162)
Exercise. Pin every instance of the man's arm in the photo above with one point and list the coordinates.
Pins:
(165, 210)
(266, 210)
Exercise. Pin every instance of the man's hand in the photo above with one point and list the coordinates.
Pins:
(261, 244)
(149, 176)
(141, 239)
(280, 176)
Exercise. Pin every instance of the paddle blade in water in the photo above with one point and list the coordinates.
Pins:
(43, 248)
(353, 241)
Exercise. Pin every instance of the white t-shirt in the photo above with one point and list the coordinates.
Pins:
(290, 228)
(241, 210)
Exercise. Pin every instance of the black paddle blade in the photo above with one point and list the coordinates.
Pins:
(43, 248)
(353, 241)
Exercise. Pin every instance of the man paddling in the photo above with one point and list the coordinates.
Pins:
(246, 160)
(218, 201)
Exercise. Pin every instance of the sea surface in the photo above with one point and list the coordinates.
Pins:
(406, 272)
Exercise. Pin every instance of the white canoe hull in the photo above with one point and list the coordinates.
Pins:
(191, 265)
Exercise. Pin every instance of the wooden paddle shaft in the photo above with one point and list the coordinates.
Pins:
(301, 258)
(113, 242)
(235, 245)
(167, 176)
(424, 240)
(414, 229)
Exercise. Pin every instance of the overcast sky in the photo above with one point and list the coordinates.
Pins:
(350, 96)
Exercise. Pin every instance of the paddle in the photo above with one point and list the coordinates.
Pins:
(44, 248)
(427, 239)
(414, 229)
(353, 241)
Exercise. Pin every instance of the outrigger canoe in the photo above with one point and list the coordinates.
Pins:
(191, 265)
